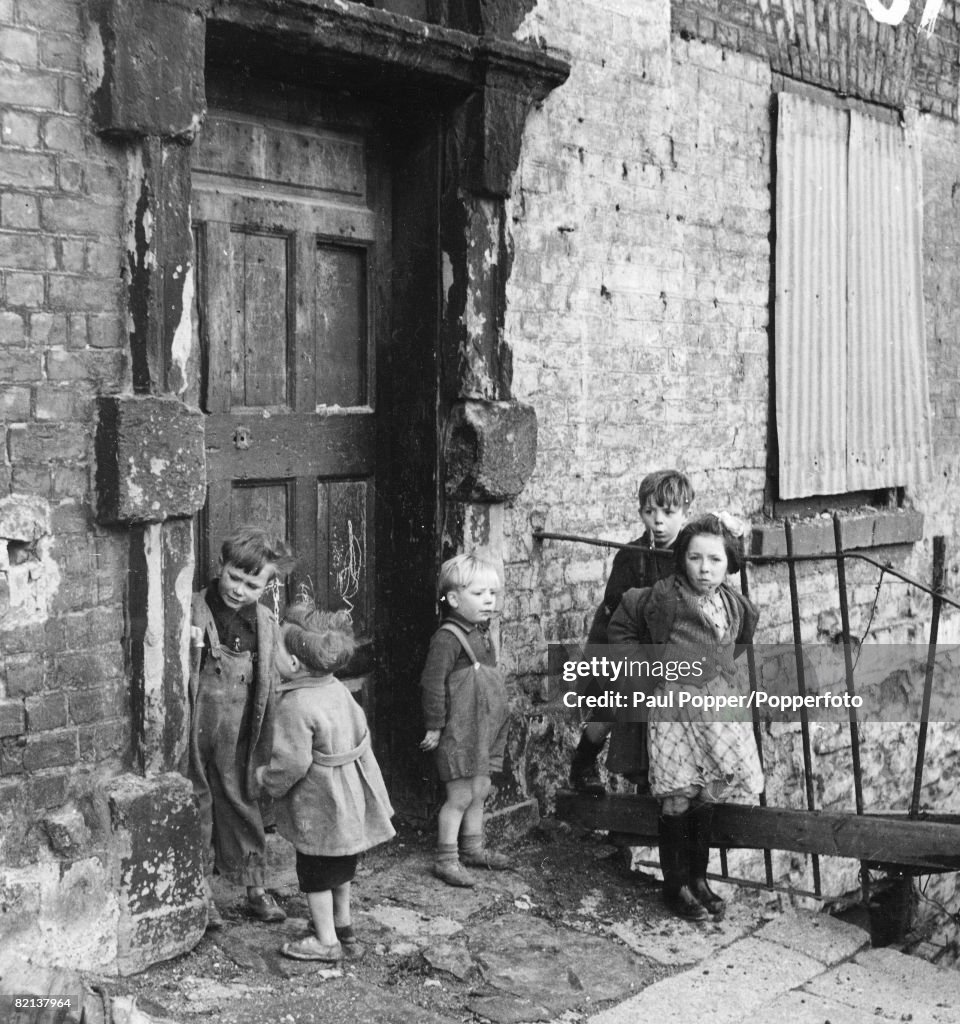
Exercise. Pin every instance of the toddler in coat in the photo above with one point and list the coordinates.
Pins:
(332, 802)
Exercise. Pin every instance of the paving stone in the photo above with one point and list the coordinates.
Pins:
(911, 972)
(892, 986)
(820, 936)
(674, 942)
(722, 989)
(403, 921)
(451, 958)
(553, 967)
(802, 1007)
(508, 1009)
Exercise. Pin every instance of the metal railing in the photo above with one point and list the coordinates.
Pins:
(839, 557)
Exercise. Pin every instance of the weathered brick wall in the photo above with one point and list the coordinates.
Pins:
(638, 316)
(69, 889)
(840, 45)
(61, 344)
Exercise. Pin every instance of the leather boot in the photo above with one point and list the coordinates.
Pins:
(700, 819)
(674, 863)
(584, 774)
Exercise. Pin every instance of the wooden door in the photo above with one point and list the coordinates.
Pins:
(292, 242)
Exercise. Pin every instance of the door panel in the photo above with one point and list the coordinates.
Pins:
(292, 241)
(344, 561)
(341, 301)
(258, 357)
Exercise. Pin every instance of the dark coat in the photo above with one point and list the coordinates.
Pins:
(639, 627)
(639, 565)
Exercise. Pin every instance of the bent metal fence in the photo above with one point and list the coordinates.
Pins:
(897, 844)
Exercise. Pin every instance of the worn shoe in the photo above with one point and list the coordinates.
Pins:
(492, 860)
(454, 874)
(346, 934)
(310, 948)
(264, 908)
(684, 904)
(714, 904)
(214, 918)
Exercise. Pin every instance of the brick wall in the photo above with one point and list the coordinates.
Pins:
(839, 45)
(638, 316)
(61, 343)
(64, 715)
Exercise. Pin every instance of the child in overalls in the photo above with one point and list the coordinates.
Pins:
(332, 803)
(466, 715)
(232, 682)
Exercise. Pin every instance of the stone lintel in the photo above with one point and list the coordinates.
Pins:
(498, 79)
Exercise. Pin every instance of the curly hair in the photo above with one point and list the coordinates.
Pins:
(323, 641)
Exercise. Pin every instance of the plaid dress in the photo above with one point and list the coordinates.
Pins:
(692, 749)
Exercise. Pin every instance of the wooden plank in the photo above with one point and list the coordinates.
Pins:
(238, 331)
(280, 212)
(304, 362)
(217, 515)
(290, 446)
(217, 314)
(235, 146)
(878, 839)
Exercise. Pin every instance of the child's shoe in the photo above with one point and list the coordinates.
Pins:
(214, 918)
(264, 907)
(310, 948)
(492, 860)
(474, 854)
(454, 873)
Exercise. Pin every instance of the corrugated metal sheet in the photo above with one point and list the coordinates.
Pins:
(810, 309)
(851, 388)
(888, 421)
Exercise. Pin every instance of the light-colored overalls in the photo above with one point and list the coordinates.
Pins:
(230, 698)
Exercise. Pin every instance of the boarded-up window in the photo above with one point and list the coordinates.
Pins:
(852, 407)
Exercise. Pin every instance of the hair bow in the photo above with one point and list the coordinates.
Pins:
(731, 524)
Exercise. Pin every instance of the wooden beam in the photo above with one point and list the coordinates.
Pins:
(932, 844)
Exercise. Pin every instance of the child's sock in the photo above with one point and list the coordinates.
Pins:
(448, 868)
(447, 853)
(475, 855)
